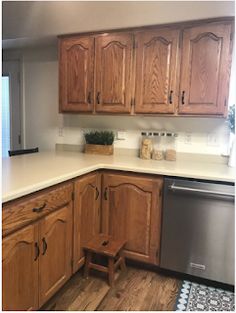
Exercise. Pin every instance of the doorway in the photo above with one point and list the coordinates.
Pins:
(11, 108)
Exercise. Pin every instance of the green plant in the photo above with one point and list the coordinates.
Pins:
(99, 137)
(231, 118)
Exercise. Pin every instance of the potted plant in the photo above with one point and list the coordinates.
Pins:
(231, 121)
(99, 142)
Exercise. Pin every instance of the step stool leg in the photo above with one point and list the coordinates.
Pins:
(87, 263)
(111, 271)
(122, 264)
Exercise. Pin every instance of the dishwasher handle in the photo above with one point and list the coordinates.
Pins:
(173, 187)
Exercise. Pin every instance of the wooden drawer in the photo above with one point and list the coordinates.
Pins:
(20, 212)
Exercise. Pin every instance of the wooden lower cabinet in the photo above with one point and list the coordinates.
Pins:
(56, 252)
(36, 261)
(131, 210)
(20, 270)
(86, 214)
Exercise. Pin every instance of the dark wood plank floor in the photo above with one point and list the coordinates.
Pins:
(135, 290)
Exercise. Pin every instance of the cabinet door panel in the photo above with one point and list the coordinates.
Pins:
(86, 214)
(156, 71)
(20, 270)
(76, 74)
(56, 252)
(113, 72)
(132, 211)
(205, 69)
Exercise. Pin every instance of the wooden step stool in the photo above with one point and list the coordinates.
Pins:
(106, 246)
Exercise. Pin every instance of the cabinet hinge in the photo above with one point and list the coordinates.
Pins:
(73, 196)
(71, 263)
(157, 253)
(225, 102)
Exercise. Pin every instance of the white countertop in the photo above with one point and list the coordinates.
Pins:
(25, 174)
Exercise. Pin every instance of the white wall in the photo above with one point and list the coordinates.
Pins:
(22, 19)
(40, 95)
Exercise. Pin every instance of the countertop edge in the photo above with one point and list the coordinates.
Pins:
(59, 179)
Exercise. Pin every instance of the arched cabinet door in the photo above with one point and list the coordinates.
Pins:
(20, 270)
(55, 240)
(86, 214)
(157, 61)
(76, 74)
(205, 69)
(132, 211)
(113, 72)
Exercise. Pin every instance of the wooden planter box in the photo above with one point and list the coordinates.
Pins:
(99, 149)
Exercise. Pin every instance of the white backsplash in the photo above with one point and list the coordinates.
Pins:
(195, 135)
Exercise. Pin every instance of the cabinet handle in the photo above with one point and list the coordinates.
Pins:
(37, 251)
(98, 98)
(97, 193)
(45, 246)
(105, 194)
(170, 97)
(183, 94)
(39, 209)
(89, 97)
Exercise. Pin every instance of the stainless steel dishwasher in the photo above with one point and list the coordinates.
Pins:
(198, 229)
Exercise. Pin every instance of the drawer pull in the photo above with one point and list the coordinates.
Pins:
(39, 209)
(37, 251)
(45, 246)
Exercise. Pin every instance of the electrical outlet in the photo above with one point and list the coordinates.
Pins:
(212, 140)
(60, 131)
(188, 138)
(121, 135)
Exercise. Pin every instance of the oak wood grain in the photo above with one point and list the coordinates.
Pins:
(156, 71)
(55, 238)
(131, 210)
(76, 68)
(87, 214)
(204, 69)
(20, 212)
(113, 72)
(20, 270)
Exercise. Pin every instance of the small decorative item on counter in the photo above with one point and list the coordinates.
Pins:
(232, 141)
(99, 142)
(146, 146)
(158, 151)
(170, 154)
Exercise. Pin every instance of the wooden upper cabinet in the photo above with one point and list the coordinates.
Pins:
(132, 211)
(157, 57)
(55, 240)
(113, 72)
(76, 74)
(86, 214)
(205, 69)
(20, 270)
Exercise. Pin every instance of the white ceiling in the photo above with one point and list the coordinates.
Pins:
(32, 23)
